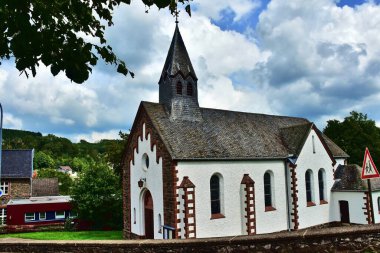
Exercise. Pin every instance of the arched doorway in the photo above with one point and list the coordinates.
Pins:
(148, 215)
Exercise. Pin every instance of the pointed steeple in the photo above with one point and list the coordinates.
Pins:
(178, 60)
(178, 82)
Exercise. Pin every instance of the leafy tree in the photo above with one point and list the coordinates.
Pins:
(42, 161)
(354, 134)
(64, 180)
(59, 34)
(97, 198)
(114, 152)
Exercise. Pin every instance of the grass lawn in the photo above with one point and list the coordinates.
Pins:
(65, 235)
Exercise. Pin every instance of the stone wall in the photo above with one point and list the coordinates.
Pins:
(339, 239)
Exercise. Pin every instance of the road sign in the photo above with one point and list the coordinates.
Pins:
(369, 169)
(1, 192)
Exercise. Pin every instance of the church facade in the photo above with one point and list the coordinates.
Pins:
(193, 172)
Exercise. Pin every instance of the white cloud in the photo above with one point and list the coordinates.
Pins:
(9, 121)
(322, 57)
(97, 136)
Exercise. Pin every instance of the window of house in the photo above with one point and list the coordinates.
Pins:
(60, 214)
(134, 215)
(268, 191)
(216, 198)
(313, 143)
(179, 88)
(309, 187)
(378, 204)
(4, 186)
(73, 214)
(30, 217)
(42, 215)
(3, 216)
(189, 89)
(322, 186)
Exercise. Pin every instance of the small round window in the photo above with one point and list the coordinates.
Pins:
(145, 162)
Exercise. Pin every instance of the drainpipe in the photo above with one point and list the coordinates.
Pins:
(287, 194)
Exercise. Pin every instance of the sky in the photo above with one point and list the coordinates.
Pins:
(318, 59)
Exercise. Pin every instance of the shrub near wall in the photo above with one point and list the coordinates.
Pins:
(340, 239)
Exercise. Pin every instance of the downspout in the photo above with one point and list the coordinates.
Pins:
(287, 194)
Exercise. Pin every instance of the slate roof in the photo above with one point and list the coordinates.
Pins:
(231, 135)
(348, 178)
(45, 187)
(17, 163)
(177, 59)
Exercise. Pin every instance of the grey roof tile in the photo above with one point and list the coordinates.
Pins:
(348, 178)
(228, 134)
(17, 163)
(178, 60)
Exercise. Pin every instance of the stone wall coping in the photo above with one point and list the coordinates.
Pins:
(242, 240)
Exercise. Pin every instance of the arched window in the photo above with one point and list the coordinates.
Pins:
(216, 184)
(322, 186)
(179, 88)
(189, 89)
(268, 192)
(134, 215)
(309, 187)
(378, 204)
(313, 143)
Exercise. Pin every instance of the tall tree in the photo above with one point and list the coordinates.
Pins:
(354, 134)
(97, 197)
(54, 33)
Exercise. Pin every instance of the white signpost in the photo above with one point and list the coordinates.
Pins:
(369, 171)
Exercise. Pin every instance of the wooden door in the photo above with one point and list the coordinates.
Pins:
(344, 211)
(148, 215)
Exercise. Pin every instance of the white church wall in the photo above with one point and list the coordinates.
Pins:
(376, 206)
(153, 176)
(355, 205)
(200, 172)
(313, 156)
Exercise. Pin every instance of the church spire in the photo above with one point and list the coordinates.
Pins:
(178, 60)
(178, 82)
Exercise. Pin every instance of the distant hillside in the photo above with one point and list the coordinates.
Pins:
(52, 151)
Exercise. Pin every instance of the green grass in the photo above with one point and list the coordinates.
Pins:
(81, 235)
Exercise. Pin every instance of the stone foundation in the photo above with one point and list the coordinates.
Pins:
(338, 239)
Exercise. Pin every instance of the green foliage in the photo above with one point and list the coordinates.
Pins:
(97, 197)
(42, 161)
(64, 180)
(354, 134)
(60, 34)
(52, 151)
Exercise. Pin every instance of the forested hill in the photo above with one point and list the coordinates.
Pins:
(52, 151)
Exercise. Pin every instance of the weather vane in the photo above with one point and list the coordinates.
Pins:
(176, 13)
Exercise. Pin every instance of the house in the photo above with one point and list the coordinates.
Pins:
(34, 212)
(16, 177)
(193, 172)
(67, 170)
(351, 200)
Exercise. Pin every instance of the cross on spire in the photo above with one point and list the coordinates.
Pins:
(176, 14)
